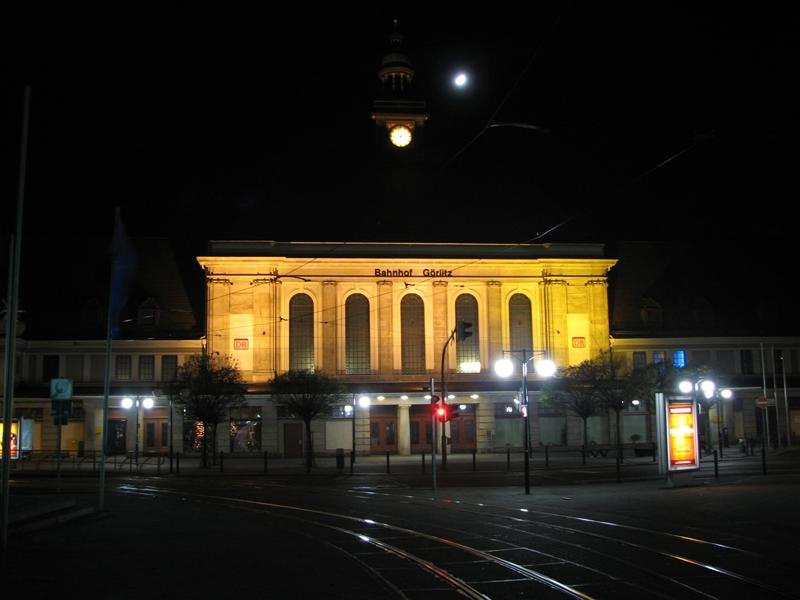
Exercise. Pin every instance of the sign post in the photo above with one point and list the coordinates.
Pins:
(61, 399)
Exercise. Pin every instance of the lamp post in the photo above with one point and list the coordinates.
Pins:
(544, 368)
(136, 402)
(707, 389)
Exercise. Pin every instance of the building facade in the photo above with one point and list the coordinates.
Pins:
(381, 318)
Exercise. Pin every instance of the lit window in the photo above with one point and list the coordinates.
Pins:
(679, 359)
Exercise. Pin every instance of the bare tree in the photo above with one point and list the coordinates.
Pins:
(573, 391)
(608, 383)
(306, 395)
(208, 387)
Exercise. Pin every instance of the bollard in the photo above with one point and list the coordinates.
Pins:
(387, 461)
(423, 461)
(547, 455)
(508, 460)
(716, 466)
(221, 455)
(474, 459)
(266, 462)
(340, 459)
(352, 460)
(178, 463)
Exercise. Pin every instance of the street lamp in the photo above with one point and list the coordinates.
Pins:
(146, 403)
(544, 368)
(708, 390)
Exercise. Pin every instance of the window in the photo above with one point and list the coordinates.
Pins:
(725, 361)
(245, 431)
(468, 356)
(701, 358)
(301, 333)
(660, 360)
(169, 367)
(746, 357)
(97, 367)
(147, 366)
(122, 367)
(679, 359)
(356, 326)
(639, 360)
(777, 361)
(412, 334)
(520, 323)
(49, 367)
(75, 367)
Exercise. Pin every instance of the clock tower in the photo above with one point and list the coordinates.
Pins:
(398, 114)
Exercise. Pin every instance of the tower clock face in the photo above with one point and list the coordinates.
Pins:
(400, 136)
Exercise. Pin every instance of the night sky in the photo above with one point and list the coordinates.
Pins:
(233, 122)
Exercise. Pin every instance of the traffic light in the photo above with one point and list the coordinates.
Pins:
(441, 412)
(463, 330)
(434, 400)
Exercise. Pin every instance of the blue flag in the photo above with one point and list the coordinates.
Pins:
(123, 269)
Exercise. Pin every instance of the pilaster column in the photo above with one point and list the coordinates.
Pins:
(403, 430)
(494, 335)
(385, 328)
(218, 320)
(329, 327)
(598, 316)
(440, 332)
(554, 316)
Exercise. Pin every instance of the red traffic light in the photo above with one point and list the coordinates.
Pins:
(441, 413)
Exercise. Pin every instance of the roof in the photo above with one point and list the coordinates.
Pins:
(401, 250)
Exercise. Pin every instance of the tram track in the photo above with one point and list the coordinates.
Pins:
(470, 564)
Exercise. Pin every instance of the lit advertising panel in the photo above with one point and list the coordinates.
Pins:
(14, 438)
(682, 440)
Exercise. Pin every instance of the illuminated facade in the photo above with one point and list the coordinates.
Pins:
(378, 317)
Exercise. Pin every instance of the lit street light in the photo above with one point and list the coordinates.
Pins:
(707, 390)
(146, 403)
(544, 368)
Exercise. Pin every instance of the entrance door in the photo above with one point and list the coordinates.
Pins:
(117, 441)
(420, 428)
(156, 436)
(462, 430)
(293, 440)
(383, 434)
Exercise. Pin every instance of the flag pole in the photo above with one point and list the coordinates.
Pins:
(106, 386)
(106, 380)
(15, 248)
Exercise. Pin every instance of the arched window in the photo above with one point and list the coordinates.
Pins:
(301, 333)
(356, 335)
(468, 356)
(520, 323)
(412, 334)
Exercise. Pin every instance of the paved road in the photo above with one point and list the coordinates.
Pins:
(147, 544)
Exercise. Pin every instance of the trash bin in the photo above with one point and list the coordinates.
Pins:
(340, 458)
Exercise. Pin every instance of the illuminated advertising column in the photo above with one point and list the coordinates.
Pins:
(14, 439)
(682, 436)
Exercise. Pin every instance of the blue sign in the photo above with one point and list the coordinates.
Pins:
(60, 389)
